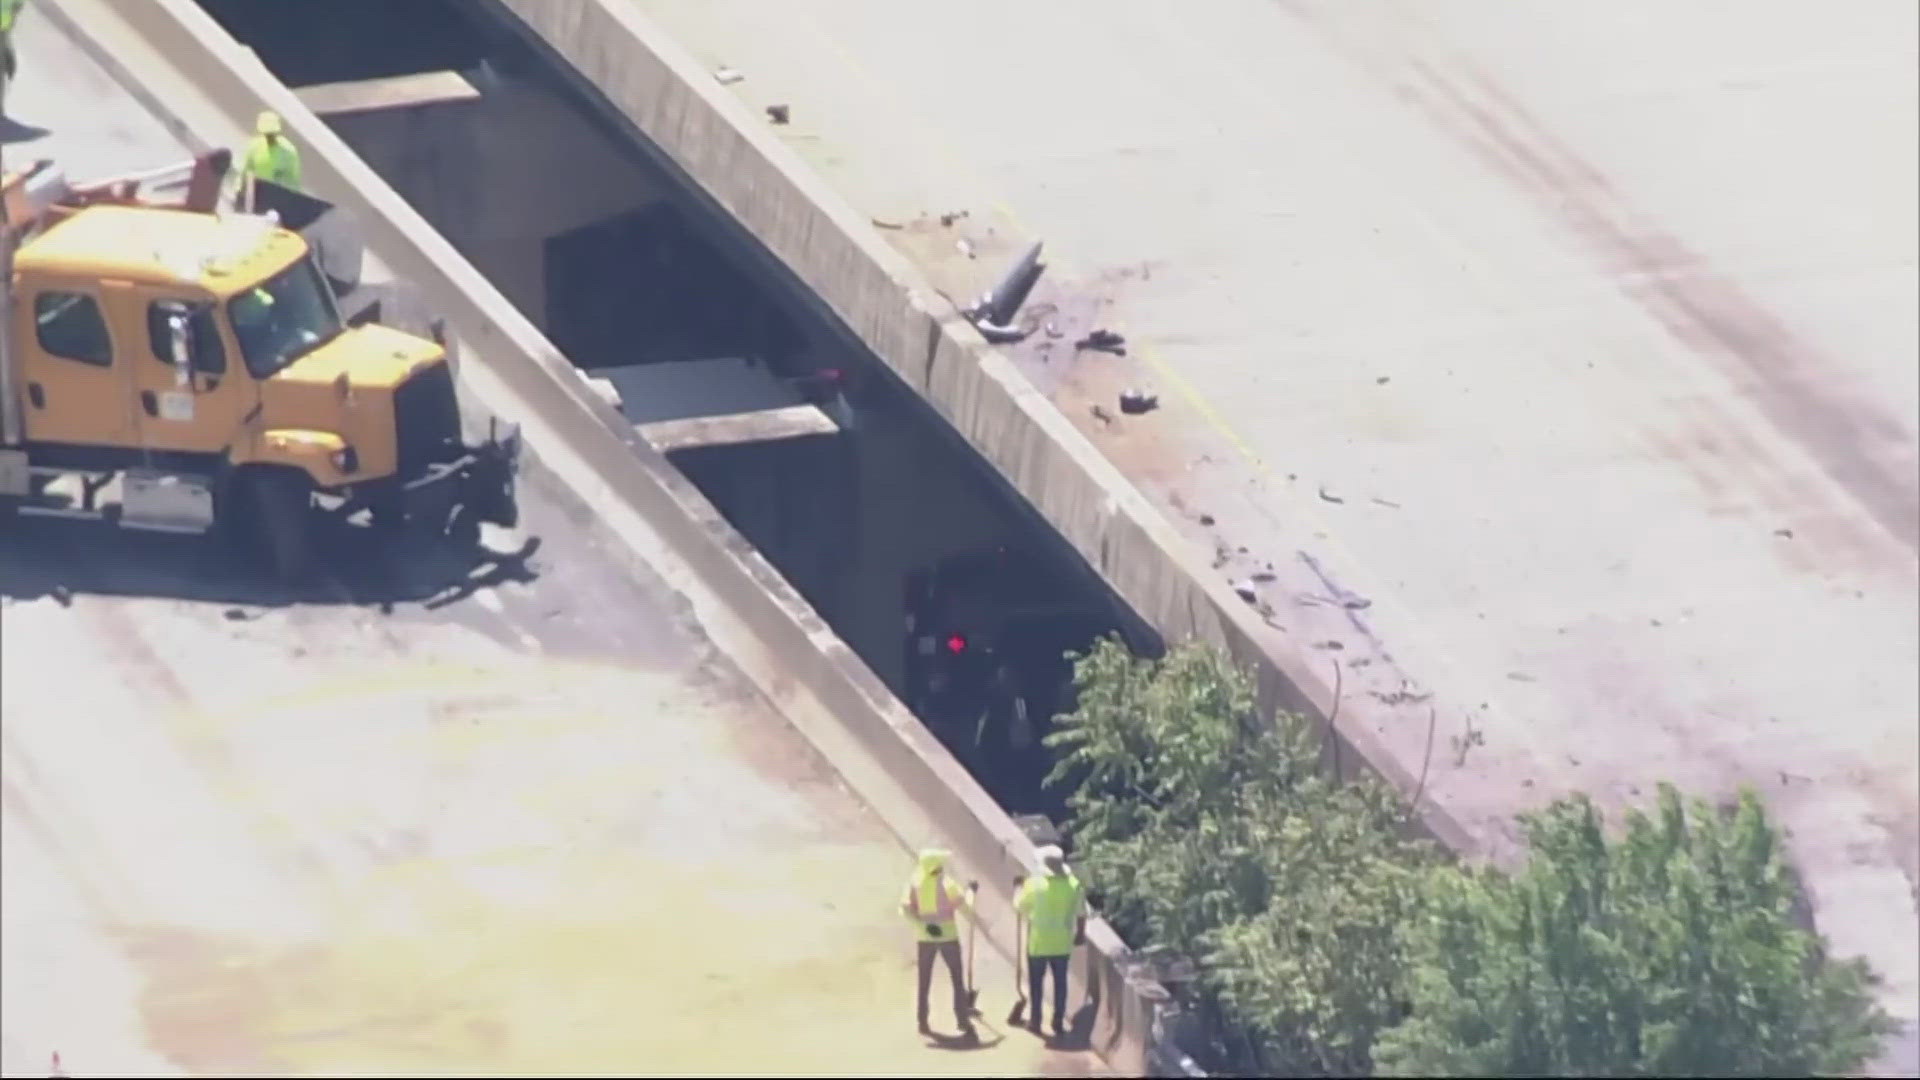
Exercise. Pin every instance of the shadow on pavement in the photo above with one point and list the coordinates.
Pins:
(13, 131)
(940, 1040)
(41, 557)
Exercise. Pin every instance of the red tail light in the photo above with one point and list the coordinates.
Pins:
(956, 644)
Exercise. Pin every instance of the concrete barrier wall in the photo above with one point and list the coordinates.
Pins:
(207, 88)
(648, 82)
(709, 136)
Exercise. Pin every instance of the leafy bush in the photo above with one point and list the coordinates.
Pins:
(1670, 951)
(1328, 943)
(1217, 836)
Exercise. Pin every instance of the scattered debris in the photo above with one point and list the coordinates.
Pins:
(1360, 661)
(1356, 603)
(1263, 576)
(1101, 414)
(1784, 534)
(1402, 696)
(965, 247)
(1655, 622)
(886, 224)
(1105, 341)
(1245, 589)
(1521, 676)
(947, 219)
(234, 614)
(1463, 743)
(1329, 644)
(1383, 380)
(728, 76)
(1388, 503)
(1205, 519)
(1329, 496)
(779, 114)
(1054, 331)
(1137, 402)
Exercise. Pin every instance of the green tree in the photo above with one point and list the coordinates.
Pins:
(1216, 835)
(1670, 951)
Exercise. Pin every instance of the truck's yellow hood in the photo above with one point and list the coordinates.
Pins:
(372, 357)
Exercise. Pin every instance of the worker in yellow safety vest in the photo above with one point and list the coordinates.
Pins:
(1054, 905)
(270, 156)
(9, 11)
(933, 902)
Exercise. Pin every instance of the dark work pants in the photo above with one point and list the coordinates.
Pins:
(950, 952)
(1037, 969)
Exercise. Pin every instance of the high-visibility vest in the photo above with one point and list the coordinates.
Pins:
(274, 159)
(1053, 904)
(932, 898)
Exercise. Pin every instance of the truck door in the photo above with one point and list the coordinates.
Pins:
(73, 373)
(204, 413)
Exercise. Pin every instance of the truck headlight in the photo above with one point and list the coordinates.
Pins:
(346, 459)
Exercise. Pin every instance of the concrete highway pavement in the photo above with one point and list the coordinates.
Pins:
(1557, 362)
(436, 816)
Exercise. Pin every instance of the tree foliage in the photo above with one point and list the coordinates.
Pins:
(1218, 837)
(1669, 951)
(1329, 943)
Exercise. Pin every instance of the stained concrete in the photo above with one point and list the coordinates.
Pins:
(1540, 417)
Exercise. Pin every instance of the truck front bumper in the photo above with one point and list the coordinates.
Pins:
(482, 482)
(478, 485)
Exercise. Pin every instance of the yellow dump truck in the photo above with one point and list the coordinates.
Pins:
(179, 368)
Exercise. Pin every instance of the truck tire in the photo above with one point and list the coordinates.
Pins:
(278, 505)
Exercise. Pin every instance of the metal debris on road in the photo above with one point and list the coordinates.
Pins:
(779, 114)
(886, 224)
(1105, 341)
(1136, 402)
(1246, 591)
(1388, 503)
(727, 76)
(965, 247)
(1328, 496)
(994, 312)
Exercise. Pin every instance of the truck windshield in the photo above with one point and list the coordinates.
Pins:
(284, 318)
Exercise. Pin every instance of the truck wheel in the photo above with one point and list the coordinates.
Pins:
(281, 512)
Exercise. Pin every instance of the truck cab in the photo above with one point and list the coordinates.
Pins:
(200, 361)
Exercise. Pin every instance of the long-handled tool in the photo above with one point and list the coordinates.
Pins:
(1019, 1010)
(973, 937)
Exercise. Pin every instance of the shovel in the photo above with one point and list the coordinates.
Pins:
(1019, 1010)
(973, 935)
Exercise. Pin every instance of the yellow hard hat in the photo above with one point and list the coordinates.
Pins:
(268, 123)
